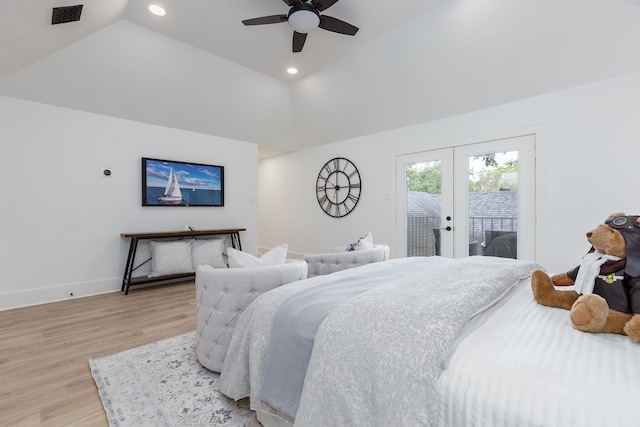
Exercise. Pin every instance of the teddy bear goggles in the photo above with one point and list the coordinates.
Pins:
(622, 222)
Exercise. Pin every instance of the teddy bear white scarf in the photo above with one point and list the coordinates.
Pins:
(589, 270)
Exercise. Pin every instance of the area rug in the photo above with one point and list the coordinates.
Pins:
(163, 384)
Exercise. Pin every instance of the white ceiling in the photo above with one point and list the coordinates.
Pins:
(216, 27)
(211, 25)
(411, 62)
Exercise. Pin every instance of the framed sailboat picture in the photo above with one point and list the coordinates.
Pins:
(173, 183)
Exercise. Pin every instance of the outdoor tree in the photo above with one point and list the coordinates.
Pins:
(494, 176)
(426, 177)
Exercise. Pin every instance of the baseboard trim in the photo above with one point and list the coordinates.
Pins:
(29, 297)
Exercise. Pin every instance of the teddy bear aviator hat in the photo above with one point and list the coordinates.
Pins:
(630, 229)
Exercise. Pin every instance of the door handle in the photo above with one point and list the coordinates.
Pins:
(448, 228)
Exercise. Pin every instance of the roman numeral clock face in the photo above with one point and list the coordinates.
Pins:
(338, 187)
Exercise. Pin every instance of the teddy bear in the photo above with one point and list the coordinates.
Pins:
(606, 294)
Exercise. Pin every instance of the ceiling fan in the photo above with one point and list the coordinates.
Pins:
(304, 17)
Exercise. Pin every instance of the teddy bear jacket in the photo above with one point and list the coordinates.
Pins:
(619, 281)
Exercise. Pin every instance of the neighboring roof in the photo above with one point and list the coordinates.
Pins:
(498, 204)
(502, 204)
(423, 204)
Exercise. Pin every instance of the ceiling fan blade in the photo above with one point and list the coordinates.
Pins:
(330, 23)
(271, 19)
(294, 2)
(298, 41)
(323, 4)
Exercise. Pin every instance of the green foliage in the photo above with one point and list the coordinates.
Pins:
(494, 177)
(491, 180)
(489, 160)
(426, 179)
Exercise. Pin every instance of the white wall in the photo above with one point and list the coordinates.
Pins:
(63, 218)
(592, 134)
(464, 56)
(131, 72)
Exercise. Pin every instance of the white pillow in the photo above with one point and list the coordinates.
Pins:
(173, 257)
(363, 243)
(239, 259)
(208, 252)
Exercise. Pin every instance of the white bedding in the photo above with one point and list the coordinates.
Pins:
(522, 364)
(516, 363)
(381, 351)
(243, 369)
(377, 358)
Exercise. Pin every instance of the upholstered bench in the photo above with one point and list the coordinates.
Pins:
(339, 259)
(222, 294)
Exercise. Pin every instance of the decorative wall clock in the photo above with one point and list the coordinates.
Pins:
(338, 187)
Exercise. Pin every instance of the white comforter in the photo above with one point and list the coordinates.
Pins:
(375, 361)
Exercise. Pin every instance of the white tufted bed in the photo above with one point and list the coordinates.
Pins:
(448, 343)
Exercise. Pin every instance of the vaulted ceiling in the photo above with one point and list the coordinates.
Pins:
(200, 69)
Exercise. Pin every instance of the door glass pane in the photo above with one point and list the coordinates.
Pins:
(423, 207)
(493, 204)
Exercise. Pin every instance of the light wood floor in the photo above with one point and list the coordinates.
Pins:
(44, 350)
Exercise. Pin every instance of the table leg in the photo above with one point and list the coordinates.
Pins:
(128, 269)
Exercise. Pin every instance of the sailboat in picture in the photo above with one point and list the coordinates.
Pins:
(172, 194)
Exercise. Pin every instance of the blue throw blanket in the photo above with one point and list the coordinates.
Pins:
(297, 321)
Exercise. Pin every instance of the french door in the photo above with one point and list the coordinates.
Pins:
(475, 199)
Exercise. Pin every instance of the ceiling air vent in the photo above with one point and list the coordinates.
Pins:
(62, 15)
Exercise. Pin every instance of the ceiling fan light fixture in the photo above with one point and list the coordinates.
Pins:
(304, 21)
(304, 17)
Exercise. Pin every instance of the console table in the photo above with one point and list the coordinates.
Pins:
(128, 280)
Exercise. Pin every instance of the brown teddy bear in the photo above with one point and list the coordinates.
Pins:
(606, 295)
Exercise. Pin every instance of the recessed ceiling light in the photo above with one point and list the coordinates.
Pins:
(157, 10)
(292, 70)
